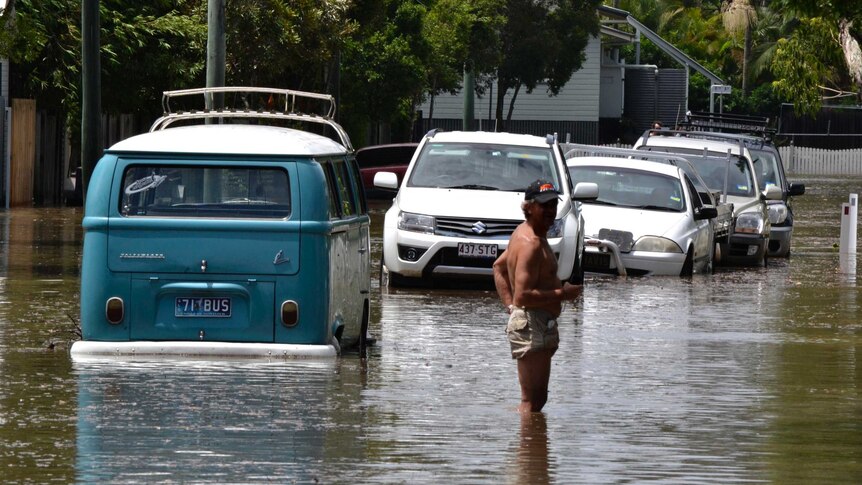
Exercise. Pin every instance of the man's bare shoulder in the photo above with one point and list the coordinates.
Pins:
(524, 239)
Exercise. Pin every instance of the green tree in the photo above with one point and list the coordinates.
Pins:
(145, 48)
(285, 43)
(461, 34)
(383, 66)
(826, 43)
(542, 42)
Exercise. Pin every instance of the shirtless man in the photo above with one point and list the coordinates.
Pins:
(526, 279)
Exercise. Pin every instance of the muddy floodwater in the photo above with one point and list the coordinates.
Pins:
(743, 376)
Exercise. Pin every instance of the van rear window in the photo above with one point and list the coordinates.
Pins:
(220, 192)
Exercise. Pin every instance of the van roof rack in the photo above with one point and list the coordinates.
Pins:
(728, 123)
(276, 104)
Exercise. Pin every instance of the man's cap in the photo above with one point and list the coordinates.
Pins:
(541, 191)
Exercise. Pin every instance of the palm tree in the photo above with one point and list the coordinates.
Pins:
(740, 15)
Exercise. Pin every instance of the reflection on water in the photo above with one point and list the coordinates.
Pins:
(531, 463)
(150, 422)
(747, 375)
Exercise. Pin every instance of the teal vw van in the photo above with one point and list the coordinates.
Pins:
(227, 233)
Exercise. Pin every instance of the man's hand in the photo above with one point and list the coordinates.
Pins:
(570, 291)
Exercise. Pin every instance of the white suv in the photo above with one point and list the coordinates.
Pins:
(461, 199)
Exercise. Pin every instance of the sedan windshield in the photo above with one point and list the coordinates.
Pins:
(483, 167)
(632, 188)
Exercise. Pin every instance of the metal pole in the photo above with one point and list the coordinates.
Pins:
(469, 95)
(215, 51)
(91, 88)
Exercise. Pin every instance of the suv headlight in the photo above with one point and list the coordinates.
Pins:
(655, 244)
(777, 213)
(750, 223)
(416, 223)
(556, 230)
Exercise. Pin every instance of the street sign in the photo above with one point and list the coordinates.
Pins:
(719, 89)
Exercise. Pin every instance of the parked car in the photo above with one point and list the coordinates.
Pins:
(727, 168)
(770, 171)
(754, 132)
(383, 158)
(226, 239)
(649, 219)
(461, 199)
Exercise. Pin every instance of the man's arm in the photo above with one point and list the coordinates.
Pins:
(501, 279)
(526, 291)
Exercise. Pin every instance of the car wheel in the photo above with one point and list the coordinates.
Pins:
(363, 332)
(688, 265)
(577, 277)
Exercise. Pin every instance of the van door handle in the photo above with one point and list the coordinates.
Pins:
(363, 250)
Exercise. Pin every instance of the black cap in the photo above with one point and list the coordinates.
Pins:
(541, 191)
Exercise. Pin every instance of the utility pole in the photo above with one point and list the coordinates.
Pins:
(91, 91)
(469, 96)
(215, 51)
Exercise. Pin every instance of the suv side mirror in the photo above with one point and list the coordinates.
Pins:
(796, 189)
(585, 191)
(705, 212)
(386, 180)
(772, 192)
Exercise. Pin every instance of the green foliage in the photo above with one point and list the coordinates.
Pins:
(144, 50)
(383, 68)
(543, 42)
(805, 61)
(287, 44)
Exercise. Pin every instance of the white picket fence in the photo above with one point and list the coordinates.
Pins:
(820, 161)
(813, 161)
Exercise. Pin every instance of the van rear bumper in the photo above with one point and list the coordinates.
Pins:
(88, 349)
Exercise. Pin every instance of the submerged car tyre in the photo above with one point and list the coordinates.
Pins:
(688, 265)
(577, 277)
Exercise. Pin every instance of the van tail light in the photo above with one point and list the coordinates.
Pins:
(289, 313)
(114, 310)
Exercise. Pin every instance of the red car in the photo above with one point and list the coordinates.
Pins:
(383, 158)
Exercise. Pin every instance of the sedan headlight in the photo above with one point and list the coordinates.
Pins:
(556, 230)
(777, 213)
(416, 223)
(655, 244)
(750, 223)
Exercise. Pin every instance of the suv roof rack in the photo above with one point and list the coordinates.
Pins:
(728, 123)
(663, 157)
(741, 139)
(273, 108)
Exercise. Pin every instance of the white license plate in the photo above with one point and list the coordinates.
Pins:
(205, 306)
(475, 250)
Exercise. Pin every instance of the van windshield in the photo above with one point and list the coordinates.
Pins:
(223, 192)
(483, 167)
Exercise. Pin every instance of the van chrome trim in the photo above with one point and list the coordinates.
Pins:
(92, 350)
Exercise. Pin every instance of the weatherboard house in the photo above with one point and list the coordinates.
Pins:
(592, 106)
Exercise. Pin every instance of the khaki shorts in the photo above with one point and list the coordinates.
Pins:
(532, 330)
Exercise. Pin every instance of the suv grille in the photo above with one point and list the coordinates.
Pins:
(475, 227)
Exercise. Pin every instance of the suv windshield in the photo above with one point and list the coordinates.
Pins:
(483, 167)
(766, 164)
(714, 166)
